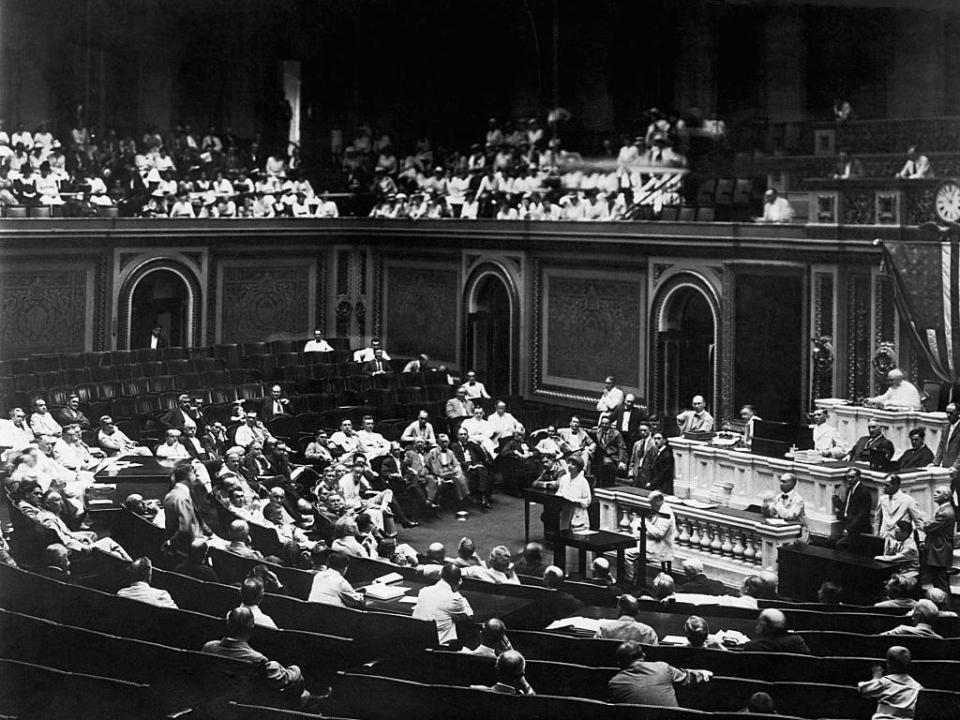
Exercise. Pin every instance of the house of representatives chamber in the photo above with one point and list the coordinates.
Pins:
(364, 359)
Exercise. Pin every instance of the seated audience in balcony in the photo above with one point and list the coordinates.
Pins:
(917, 165)
(776, 209)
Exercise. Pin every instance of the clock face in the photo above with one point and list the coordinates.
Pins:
(946, 201)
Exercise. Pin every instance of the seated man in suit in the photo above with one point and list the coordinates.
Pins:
(694, 580)
(873, 446)
(853, 510)
(239, 535)
(115, 442)
(493, 640)
(510, 669)
(924, 615)
(377, 365)
(645, 682)
(560, 604)
(56, 560)
(72, 415)
(275, 405)
(141, 573)
(236, 644)
(75, 540)
(696, 420)
(773, 635)
(318, 344)
(918, 455)
(199, 448)
(180, 416)
(626, 626)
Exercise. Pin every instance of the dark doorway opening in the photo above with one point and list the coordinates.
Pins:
(488, 335)
(687, 344)
(160, 298)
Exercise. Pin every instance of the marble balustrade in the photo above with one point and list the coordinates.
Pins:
(732, 544)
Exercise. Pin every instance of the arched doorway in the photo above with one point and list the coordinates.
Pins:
(686, 343)
(160, 297)
(490, 329)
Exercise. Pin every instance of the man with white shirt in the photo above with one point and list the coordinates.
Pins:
(157, 340)
(502, 424)
(372, 444)
(458, 409)
(420, 429)
(15, 433)
(71, 452)
(612, 397)
(697, 419)
(360, 497)
(346, 441)
(826, 441)
(901, 395)
(475, 390)
(789, 505)
(916, 166)
(775, 209)
(443, 603)
(251, 431)
(479, 431)
(367, 354)
(575, 439)
(42, 422)
(172, 449)
(318, 344)
(443, 465)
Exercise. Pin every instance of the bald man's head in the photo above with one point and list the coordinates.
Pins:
(628, 605)
(510, 667)
(493, 632)
(771, 623)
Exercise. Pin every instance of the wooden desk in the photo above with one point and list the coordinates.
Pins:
(551, 520)
(597, 541)
(803, 568)
(145, 476)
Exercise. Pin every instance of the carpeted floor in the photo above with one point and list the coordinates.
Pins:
(503, 525)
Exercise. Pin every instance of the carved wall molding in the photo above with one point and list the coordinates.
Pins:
(266, 301)
(125, 298)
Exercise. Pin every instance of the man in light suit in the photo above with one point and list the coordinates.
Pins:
(141, 573)
(948, 452)
(458, 409)
(789, 504)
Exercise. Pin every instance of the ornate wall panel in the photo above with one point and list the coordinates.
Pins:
(45, 309)
(420, 309)
(266, 301)
(590, 324)
(858, 336)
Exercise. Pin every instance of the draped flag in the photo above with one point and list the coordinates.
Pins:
(926, 288)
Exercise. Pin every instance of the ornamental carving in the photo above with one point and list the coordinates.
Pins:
(421, 311)
(884, 360)
(42, 313)
(592, 329)
(264, 302)
(859, 208)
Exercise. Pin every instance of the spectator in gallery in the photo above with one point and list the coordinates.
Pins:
(318, 343)
(776, 209)
(917, 165)
(848, 167)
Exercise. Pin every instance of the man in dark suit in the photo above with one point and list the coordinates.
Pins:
(872, 446)
(628, 418)
(696, 582)
(560, 604)
(200, 448)
(71, 414)
(611, 453)
(639, 473)
(659, 465)
(938, 554)
(156, 339)
(948, 452)
(275, 405)
(853, 510)
(918, 455)
(180, 416)
(378, 365)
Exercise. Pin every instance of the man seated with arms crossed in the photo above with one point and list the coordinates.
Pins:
(42, 422)
(251, 431)
(642, 682)
(115, 442)
(901, 395)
